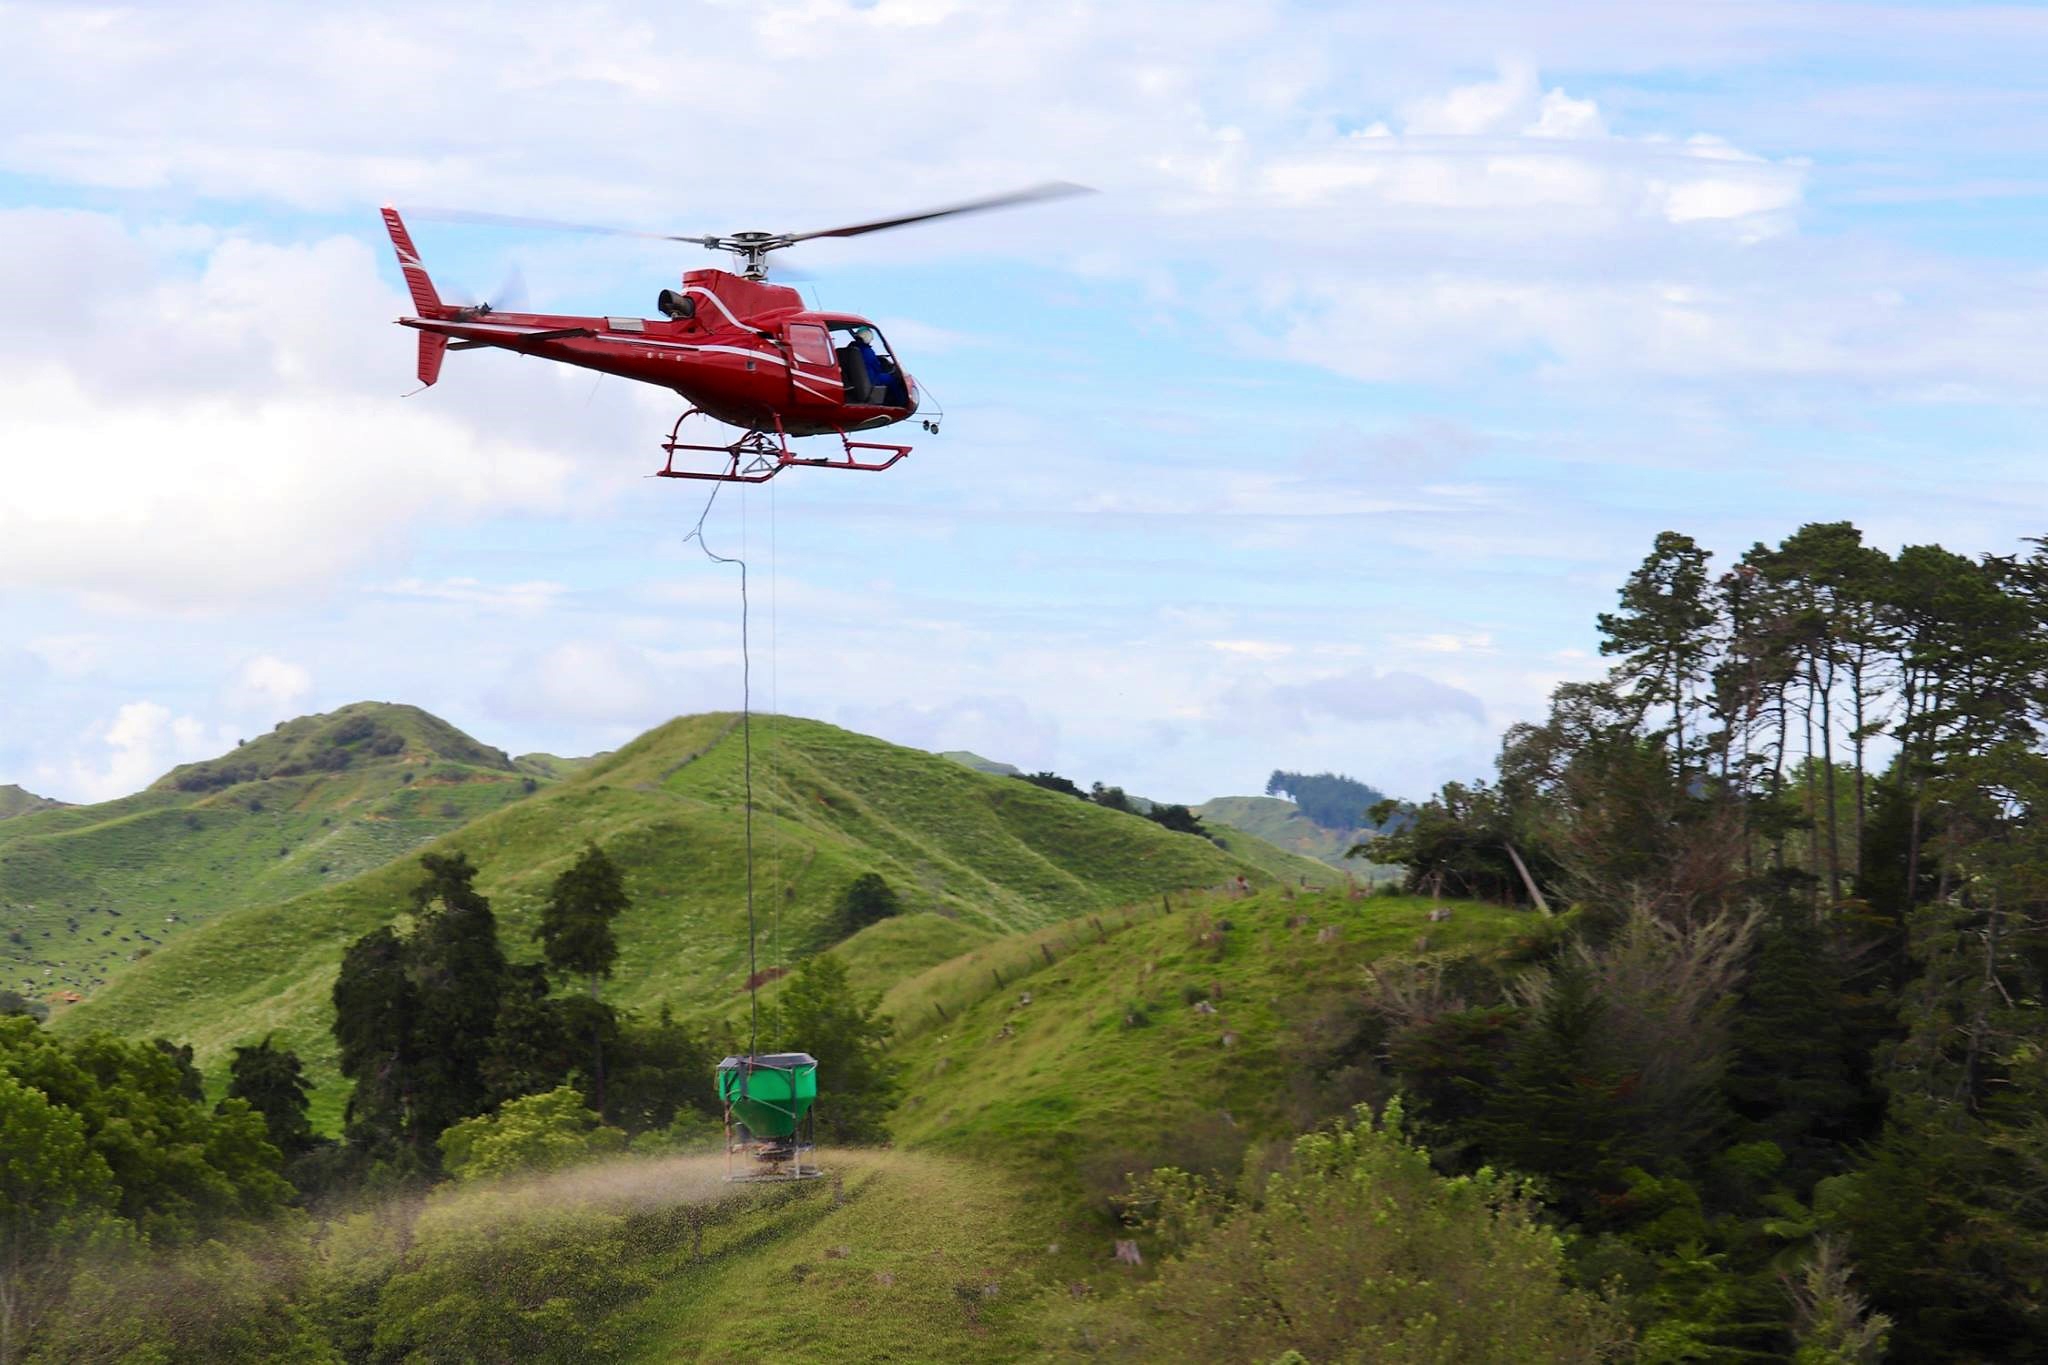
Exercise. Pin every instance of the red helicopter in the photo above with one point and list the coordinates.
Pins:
(742, 351)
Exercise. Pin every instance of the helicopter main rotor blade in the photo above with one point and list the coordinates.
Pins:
(549, 225)
(1055, 189)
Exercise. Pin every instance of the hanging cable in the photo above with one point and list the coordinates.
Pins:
(747, 753)
(774, 709)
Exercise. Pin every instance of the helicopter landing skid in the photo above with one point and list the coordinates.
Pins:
(760, 455)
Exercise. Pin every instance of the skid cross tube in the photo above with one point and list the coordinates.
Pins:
(759, 456)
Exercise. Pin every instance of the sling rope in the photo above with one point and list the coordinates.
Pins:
(746, 748)
(774, 709)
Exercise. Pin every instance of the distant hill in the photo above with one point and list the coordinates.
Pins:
(551, 766)
(1281, 823)
(86, 891)
(334, 742)
(17, 801)
(970, 759)
(1332, 800)
(972, 855)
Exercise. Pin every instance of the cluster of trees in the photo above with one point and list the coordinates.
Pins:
(106, 1145)
(1799, 1033)
(1331, 800)
(438, 1024)
(1177, 818)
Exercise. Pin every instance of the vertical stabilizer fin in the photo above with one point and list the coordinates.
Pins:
(424, 298)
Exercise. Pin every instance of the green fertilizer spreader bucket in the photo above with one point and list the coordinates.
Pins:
(769, 1093)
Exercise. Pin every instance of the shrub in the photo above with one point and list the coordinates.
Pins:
(1358, 1250)
(537, 1133)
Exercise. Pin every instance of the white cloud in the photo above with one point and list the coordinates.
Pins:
(271, 685)
(1359, 694)
(525, 597)
(595, 682)
(70, 656)
(1446, 642)
(1253, 649)
(1004, 728)
(142, 742)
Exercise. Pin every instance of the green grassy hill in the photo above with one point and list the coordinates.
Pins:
(18, 801)
(972, 856)
(86, 892)
(968, 758)
(1280, 823)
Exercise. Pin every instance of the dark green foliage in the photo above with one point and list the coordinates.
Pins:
(14, 1002)
(867, 900)
(1179, 819)
(858, 1081)
(1112, 798)
(459, 968)
(1450, 1065)
(575, 927)
(659, 1069)
(1890, 846)
(192, 1085)
(1456, 843)
(1557, 1109)
(1791, 1080)
(1333, 801)
(376, 1017)
(532, 1047)
(54, 1191)
(1052, 782)
(273, 1083)
(576, 936)
(416, 1017)
(1661, 633)
(175, 1169)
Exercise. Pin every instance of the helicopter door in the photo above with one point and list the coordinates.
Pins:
(814, 367)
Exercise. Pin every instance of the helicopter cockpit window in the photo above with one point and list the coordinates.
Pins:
(809, 344)
(870, 371)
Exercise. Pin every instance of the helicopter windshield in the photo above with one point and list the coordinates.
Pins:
(871, 373)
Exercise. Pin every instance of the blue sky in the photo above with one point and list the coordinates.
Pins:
(1316, 440)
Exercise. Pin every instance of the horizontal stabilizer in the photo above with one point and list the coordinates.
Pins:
(518, 339)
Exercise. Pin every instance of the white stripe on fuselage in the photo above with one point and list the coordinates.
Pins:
(622, 338)
(702, 292)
